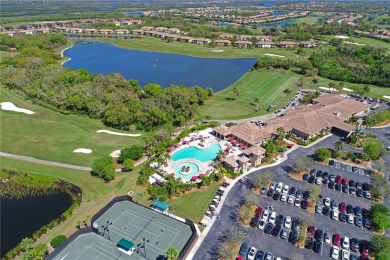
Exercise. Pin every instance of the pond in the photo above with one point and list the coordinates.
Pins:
(155, 67)
(278, 24)
(20, 218)
(135, 13)
(278, 13)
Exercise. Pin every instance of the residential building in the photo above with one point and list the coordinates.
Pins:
(222, 42)
(201, 41)
(243, 44)
(265, 44)
(122, 31)
(287, 44)
(307, 44)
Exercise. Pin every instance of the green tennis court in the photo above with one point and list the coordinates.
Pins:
(151, 232)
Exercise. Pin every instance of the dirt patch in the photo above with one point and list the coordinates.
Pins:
(297, 175)
(256, 190)
(250, 212)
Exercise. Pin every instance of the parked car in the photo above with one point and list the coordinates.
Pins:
(359, 185)
(292, 191)
(319, 174)
(350, 219)
(276, 196)
(258, 211)
(318, 181)
(244, 249)
(319, 208)
(317, 247)
(350, 209)
(331, 163)
(352, 191)
(345, 254)
(263, 190)
(297, 202)
(336, 239)
(287, 222)
(295, 225)
(285, 189)
(268, 228)
(343, 207)
(354, 244)
(262, 224)
(254, 221)
(335, 214)
(283, 198)
(345, 244)
(327, 202)
(251, 253)
(305, 204)
(326, 211)
(279, 220)
(345, 189)
(311, 231)
(364, 248)
(338, 179)
(355, 169)
(293, 237)
(290, 199)
(359, 193)
(319, 234)
(358, 221)
(270, 193)
(313, 172)
(335, 204)
(306, 195)
(275, 231)
(367, 223)
(299, 194)
(367, 194)
(332, 177)
(327, 238)
(272, 218)
(284, 233)
(344, 181)
(331, 185)
(259, 255)
(268, 256)
(335, 252)
(265, 215)
(337, 186)
(358, 211)
(305, 177)
(342, 217)
(272, 186)
(309, 243)
(311, 179)
(352, 183)
(279, 187)
(325, 175)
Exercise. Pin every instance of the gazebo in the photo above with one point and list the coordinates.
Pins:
(160, 206)
(125, 246)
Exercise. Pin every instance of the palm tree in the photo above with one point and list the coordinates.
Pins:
(369, 121)
(221, 154)
(340, 86)
(281, 134)
(172, 254)
(331, 86)
(257, 100)
(339, 145)
(314, 81)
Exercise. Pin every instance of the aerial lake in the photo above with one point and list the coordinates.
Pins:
(154, 67)
(20, 218)
(278, 24)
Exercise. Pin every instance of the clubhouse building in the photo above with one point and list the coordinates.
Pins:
(328, 113)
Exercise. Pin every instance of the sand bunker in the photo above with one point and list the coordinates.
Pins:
(348, 89)
(10, 106)
(274, 55)
(328, 89)
(342, 37)
(355, 43)
(116, 133)
(388, 97)
(115, 154)
(82, 150)
(217, 50)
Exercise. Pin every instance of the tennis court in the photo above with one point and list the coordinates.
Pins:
(151, 232)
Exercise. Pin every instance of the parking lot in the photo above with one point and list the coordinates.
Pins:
(280, 247)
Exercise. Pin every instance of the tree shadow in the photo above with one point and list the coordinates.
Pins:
(287, 168)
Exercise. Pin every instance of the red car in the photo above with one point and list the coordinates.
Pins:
(336, 239)
(364, 249)
(259, 211)
(311, 230)
(345, 181)
(343, 207)
(338, 179)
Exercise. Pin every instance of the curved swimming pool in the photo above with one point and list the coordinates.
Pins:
(186, 170)
(202, 155)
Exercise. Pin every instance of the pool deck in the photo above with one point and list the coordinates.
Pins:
(195, 140)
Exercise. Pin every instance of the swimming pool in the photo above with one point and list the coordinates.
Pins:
(186, 170)
(202, 155)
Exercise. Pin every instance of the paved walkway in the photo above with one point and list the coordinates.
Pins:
(57, 164)
(233, 182)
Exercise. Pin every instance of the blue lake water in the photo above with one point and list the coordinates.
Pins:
(203, 155)
(269, 4)
(278, 24)
(225, 24)
(161, 68)
(136, 13)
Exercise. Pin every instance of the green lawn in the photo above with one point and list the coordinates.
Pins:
(307, 20)
(268, 86)
(372, 141)
(193, 205)
(53, 136)
(148, 43)
(377, 92)
(366, 41)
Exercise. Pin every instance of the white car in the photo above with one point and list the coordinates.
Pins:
(287, 222)
(283, 198)
(345, 255)
(327, 202)
(327, 238)
(251, 253)
(290, 199)
(350, 219)
(345, 244)
(272, 186)
(262, 224)
(279, 187)
(318, 181)
(285, 189)
(272, 218)
(265, 215)
(335, 252)
(335, 215)
(297, 202)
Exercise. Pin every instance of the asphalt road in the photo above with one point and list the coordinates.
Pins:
(277, 246)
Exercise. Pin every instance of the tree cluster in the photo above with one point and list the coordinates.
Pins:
(380, 217)
(34, 72)
(103, 168)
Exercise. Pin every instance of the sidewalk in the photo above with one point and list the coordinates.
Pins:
(233, 182)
